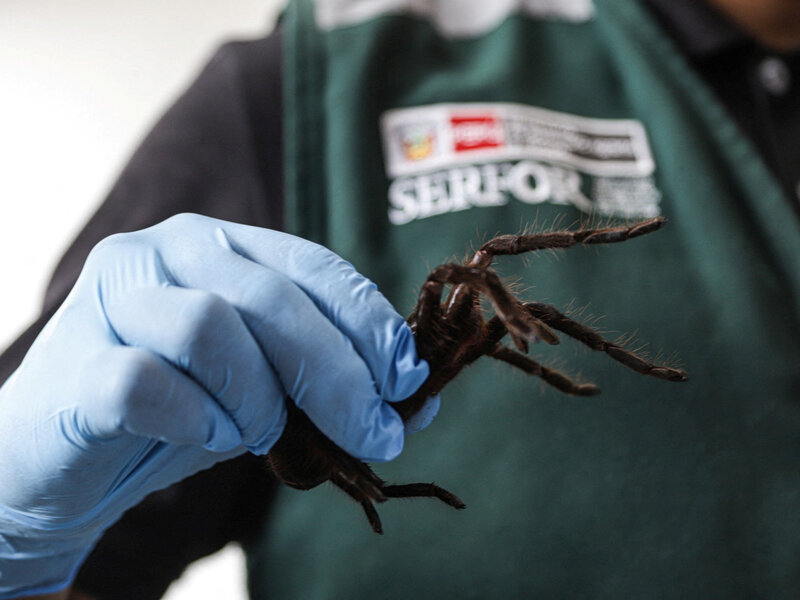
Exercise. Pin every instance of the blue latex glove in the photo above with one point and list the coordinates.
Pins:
(174, 351)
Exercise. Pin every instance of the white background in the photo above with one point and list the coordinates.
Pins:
(81, 81)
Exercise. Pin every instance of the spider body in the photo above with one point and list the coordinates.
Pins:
(450, 335)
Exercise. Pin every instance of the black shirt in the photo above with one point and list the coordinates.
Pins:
(218, 151)
(759, 87)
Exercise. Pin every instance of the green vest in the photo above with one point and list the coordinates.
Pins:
(417, 130)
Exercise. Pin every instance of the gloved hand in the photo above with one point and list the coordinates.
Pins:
(174, 351)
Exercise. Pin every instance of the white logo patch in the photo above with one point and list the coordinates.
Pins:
(450, 157)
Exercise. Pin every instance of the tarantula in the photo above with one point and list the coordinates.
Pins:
(451, 335)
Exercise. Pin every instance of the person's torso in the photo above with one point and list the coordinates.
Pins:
(410, 141)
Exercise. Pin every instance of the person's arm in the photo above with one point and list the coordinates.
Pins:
(177, 348)
(216, 151)
(237, 102)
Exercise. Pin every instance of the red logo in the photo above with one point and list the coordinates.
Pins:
(476, 132)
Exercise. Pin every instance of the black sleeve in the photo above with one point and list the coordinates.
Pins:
(217, 152)
(154, 542)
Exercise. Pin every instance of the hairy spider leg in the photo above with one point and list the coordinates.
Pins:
(464, 295)
(353, 487)
(595, 341)
(427, 490)
(520, 244)
(491, 346)
(558, 380)
(494, 330)
(358, 474)
(521, 326)
(356, 494)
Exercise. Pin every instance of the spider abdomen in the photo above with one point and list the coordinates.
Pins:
(300, 457)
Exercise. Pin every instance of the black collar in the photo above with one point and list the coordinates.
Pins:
(699, 29)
